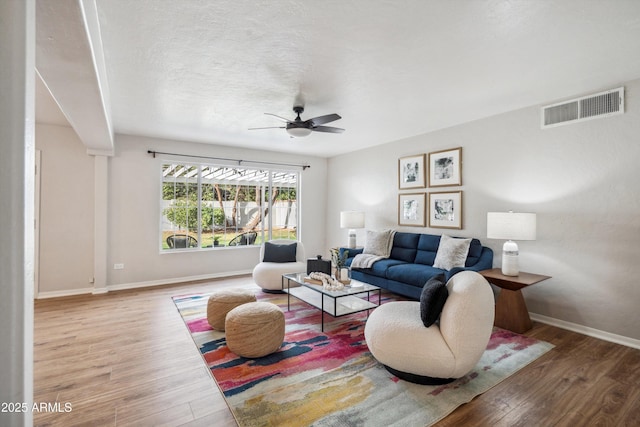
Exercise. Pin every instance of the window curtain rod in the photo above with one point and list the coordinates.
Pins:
(304, 167)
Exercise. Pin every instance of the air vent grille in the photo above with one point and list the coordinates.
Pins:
(603, 104)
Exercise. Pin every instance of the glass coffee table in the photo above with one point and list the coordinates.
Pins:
(349, 300)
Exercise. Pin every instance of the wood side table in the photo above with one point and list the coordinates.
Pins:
(511, 310)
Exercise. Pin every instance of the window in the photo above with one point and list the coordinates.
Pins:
(211, 206)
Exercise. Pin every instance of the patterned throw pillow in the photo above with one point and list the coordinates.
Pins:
(452, 252)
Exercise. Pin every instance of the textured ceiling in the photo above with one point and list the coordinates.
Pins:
(206, 71)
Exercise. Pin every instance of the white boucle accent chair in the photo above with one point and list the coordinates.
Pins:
(443, 352)
(268, 275)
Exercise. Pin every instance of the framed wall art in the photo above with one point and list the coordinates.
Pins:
(411, 209)
(445, 210)
(445, 168)
(412, 172)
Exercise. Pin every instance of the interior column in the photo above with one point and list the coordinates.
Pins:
(100, 209)
(17, 169)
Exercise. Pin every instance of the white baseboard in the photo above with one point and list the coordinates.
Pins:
(64, 293)
(585, 330)
(135, 285)
(149, 283)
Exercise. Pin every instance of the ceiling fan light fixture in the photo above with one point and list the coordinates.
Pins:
(298, 132)
(298, 128)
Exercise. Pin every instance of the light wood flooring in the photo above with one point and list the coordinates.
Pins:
(126, 359)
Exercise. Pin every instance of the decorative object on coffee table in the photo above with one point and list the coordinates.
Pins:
(511, 310)
(511, 226)
(255, 329)
(222, 302)
(344, 275)
(339, 261)
(329, 283)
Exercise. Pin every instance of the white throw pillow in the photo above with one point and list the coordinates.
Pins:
(452, 252)
(379, 243)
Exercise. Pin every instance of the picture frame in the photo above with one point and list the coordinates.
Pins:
(445, 209)
(412, 209)
(412, 172)
(445, 168)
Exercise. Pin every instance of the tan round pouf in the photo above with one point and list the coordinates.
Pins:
(222, 302)
(255, 329)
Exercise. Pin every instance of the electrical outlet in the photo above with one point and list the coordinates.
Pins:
(118, 266)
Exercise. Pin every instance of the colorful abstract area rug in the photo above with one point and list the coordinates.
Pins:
(331, 379)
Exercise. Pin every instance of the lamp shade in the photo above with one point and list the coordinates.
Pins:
(511, 226)
(351, 219)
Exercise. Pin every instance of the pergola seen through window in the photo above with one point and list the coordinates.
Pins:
(209, 206)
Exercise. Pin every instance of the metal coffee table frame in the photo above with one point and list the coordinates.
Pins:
(335, 303)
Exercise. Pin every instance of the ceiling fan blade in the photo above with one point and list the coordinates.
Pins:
(320, 120)
(279, 118)
(270, 127)
(328, 129)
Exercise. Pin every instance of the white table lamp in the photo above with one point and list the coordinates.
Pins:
(511, 226)
(352, 220)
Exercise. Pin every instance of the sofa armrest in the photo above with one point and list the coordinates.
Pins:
(485, 261)
(351, 254)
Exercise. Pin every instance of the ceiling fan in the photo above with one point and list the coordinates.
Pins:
(299, 128)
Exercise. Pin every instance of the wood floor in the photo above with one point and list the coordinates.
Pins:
(126, 359)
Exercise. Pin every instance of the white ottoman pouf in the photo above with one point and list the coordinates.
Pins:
(223, 301)
(268, 275)
(398, 339)
(255, 329)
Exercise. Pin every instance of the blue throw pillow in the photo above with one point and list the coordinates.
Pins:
(434, 295)
(279, 253)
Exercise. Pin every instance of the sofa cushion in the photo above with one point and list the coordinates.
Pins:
(404, 246)
(380, 268)
(279, 253)
(452, 252)
(427, 248)
(434, 295)
(413, 274)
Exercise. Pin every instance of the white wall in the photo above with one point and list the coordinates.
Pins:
(582, 180)
(66, 211)
(134, 214)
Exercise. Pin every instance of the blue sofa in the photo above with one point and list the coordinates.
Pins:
(411, 263)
